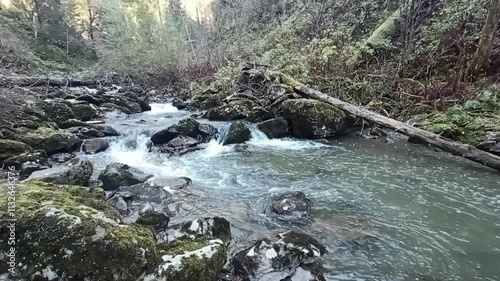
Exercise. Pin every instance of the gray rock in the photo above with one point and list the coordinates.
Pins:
(274, 128)
(238, 133)
(84, 111)
(116, 175)
(119, 204)
(292, 205)
(94, 146)
(73, 172)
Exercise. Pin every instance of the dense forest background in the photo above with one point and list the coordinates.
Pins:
(397, 57)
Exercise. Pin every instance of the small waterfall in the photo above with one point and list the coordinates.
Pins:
(161, 108)
(257, 134)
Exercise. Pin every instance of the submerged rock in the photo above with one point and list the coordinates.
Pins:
(106, 131)
(94, 146)
(311, 119)
(73, 172)
(291, 205)
(238, 133)
(79, 230)
(116, 175)
(52, 140)
(274, 128)
(278, 258)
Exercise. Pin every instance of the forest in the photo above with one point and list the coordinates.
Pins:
(249, 140)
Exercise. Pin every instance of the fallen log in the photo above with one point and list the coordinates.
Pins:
(459, 149)
(30, 81)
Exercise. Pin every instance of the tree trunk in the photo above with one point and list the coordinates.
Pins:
(481, 58)
(459, 149)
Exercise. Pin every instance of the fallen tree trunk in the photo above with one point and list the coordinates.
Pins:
(29, 81)
(459, 149)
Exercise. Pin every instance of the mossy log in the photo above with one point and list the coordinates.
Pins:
(456, 148)
(30, 81)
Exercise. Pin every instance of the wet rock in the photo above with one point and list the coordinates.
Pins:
(58, 112)
(116, 175)
(291, 205)
(491, 143)
(29, 162)
(259, 114)
(214, 228)
(207, 133)
(77, 227)
(182, 103)
(74, 172)
(307, 272)
(158, 221)
(238, 133)
(106, 131)
(109, 107)
(10, 148)
(311, 119)
(233, 111)
(188, 259)
(278, 258)
(72, 123)
(62, 157)
(178, 183)
(145, 192)
(274, 128)
(84, 111)
(211, 102)
(86, 133)
(94, 146)
(188, 127)
(52, 140)
(90, 99)
(142, 102)
(180, 145)
(119, 204)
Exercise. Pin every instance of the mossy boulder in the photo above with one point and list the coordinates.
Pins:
(84, 112)
(188, 259)
(52, 140)
(238, 133)
(235, 110)
(312, 119)
(259, 114)
(211, 102)
(116, 175)
(73, 172)
(70, 233)
(10, 148)
(58, 111)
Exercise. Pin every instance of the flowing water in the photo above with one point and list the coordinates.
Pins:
(384, 211)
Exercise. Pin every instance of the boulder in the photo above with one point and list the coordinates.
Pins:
(491, 143)
(79, 230)
(29, 162)
(278, 258)
(259, 114)
(207, 133)
(94, 146)
(52, 140)
(122, 103)
(212, 227)
(211, 102)
(274, 128)
(116, 175)
(106, 131)
(238, 133)
(84, 111)
(142, 102)
(119, 204)
(145, 192)
(58, 111)
(156, 220)
(180, 145)
(233, 111)
(311, 119)
(10, 148)
(92, 99)
(188, 127)
(293, 205)
(189, 259)
(62, 157)
(73, 172)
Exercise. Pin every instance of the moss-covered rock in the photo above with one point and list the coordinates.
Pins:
(211, 102)
(9, 148)
(233, 111)
(188, 259)
(51, 140)
(58, 111)
(238, 133)
(70, 233)
(312, 119)
(29, 162)
(116, 175)
(84, 112)
(74, 172)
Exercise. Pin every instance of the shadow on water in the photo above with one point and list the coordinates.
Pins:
(384, 211)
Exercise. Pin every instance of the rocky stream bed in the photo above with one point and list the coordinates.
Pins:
(120, 184)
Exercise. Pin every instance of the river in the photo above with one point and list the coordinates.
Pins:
(384, 211)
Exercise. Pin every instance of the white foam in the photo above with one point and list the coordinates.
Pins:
(214, 148)
(286, 144)
(162, 108)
